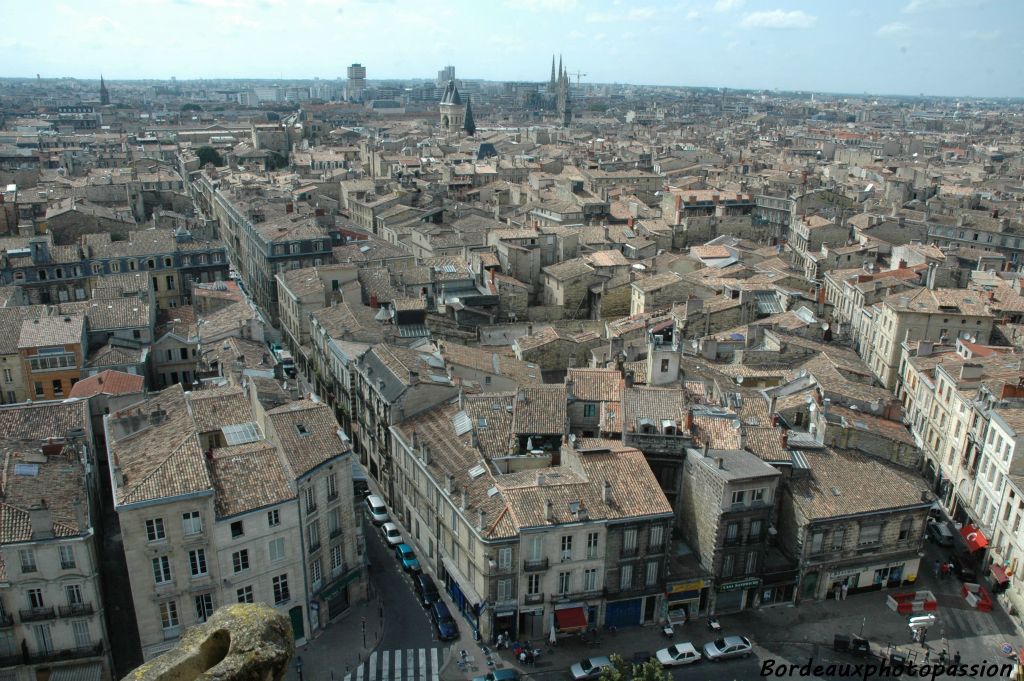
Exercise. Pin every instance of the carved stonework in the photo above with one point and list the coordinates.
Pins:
(244, 642)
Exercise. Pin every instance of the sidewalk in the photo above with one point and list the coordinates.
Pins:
(339, 649)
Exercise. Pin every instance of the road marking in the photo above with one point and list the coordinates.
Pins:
(398, 664)
(435, 667)
(359, 672)
(372, 671)
(385, 657)
(410, 663)
(422, 670)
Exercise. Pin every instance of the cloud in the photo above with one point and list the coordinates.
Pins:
(640, 13)
(915, 6)
(726, 5)
(635, 14)
(983, 35)
(778, 18)
(892, 30)
(692, 15)
(544, 5)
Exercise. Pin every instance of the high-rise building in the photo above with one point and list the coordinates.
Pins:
(444, 75)
(356, 82)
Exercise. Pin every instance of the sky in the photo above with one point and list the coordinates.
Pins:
(932, 47)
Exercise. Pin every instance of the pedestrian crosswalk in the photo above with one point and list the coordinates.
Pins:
(413, 664)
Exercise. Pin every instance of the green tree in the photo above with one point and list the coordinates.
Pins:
(209, 155)
(651, 670)
(191, 107)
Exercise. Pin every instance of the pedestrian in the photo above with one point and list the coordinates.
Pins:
(927, 654)
(951, 567)
(924, 636)
(936, 568)
(944, 569)
(956, 659)
(837, 592)
(942, 657)
(845, 590)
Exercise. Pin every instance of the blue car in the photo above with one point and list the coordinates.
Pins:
(447, 630)
(407, 557)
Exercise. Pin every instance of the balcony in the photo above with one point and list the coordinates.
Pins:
(331, 496)
(313, 548)
(336, 532)
(37, 614)
(650, 443)
(67, 654)
(535, 565)
(533, 599)
(6, 620)
(76, 610)
(629, 552)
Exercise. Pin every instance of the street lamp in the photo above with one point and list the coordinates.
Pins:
(298, 666)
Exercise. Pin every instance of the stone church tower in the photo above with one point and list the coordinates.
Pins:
(452, 110)
(104, 93)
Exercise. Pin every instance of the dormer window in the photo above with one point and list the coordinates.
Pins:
(301, 430)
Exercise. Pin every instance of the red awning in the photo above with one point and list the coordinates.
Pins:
(571, 619)
(999, 574)
(974, 538)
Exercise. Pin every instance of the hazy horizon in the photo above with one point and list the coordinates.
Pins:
(944, 48)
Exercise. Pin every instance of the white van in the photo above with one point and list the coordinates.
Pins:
(378, 511)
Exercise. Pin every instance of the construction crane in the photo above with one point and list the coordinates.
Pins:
(578, 75)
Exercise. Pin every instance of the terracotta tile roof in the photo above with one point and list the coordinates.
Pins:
(214, 408)
(540, 409)
(491, 415)
(845, 483)
(111, 355)
(108, 382)
(11, 319)
(487, 361)
(162, 460)
(639, 369)
(213, 326)
(859, 420)
(248, 477)
(307, 433)
(51, 331)
(718, 431)
(656, 404)
(112, 313)
(595, 385)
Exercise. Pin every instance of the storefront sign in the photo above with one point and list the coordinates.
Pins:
(679, 587)
(743, 584)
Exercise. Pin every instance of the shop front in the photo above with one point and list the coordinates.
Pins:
(736, 596)
(685, 600)
(505, 622)
(464, 596)
(531, 623)
(778, 587)
(871, 577)
(335, 598)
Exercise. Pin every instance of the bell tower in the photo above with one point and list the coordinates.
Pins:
(452, 111)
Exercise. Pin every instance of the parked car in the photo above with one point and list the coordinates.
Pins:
(589, 668)
(426, 589)
(447, 629)
(500, 675)
(730, 646)
(407, 557)
(939, 533)
(392, 535)
(679, 654)
(962, 569)
(377, 510)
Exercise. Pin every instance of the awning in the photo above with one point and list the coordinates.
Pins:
(974, 538)
(999, 574)
(571, 619)
(464, 585)
(79, 672)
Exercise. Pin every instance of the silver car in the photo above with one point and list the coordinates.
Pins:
(730, 646)
(589, 668)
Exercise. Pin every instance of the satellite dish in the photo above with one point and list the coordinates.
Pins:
(739, 380)
(824, 327)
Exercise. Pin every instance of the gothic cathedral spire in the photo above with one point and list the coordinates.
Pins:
(104, 94)
(468, 124)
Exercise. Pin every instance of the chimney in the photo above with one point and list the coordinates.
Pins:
(924, 348)
(426, 454)
(689, 420)
(289, 207)
(606, 492)
(415, 440)
(707, 448)
(481, 520)
(785, 439)
(629, 379)
(462, 501)
(541, 479)
(450, 483)
(41, 520)
(720, 463)
(549, 511)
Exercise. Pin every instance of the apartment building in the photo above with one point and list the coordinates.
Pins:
(302, 292)
(263, 237)
(52, 351)
(854, 520)
(936, 315)
(220, 502)
(52, 273)
(727, 507)
(52, 620)
(566, 545)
